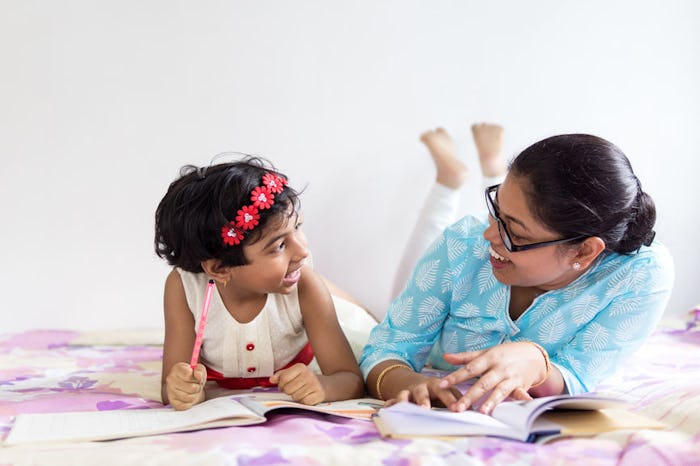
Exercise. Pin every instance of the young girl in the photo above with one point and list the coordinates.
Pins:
(239, 225)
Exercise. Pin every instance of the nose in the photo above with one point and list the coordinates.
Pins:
(491, 233)
(300, 247)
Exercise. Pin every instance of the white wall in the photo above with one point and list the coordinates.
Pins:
(101, 102)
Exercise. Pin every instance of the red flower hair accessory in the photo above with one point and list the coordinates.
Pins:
(231, 234)
(262, 197)
(248, 216)
(274, 183)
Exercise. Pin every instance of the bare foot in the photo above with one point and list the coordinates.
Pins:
(451, 172)
(488, 138)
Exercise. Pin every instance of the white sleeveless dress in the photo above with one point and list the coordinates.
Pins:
(254, 349)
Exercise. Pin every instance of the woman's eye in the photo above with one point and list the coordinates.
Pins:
(298, 226)
(515, 237)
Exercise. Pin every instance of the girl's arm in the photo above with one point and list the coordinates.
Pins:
(180, 386)
(341, 377)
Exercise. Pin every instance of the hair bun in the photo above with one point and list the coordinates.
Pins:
(640, 227)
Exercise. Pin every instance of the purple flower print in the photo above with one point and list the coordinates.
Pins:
(77, 383)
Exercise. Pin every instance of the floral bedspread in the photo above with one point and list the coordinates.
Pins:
(54, 371)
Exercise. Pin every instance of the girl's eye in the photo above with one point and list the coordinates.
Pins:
(298, 226)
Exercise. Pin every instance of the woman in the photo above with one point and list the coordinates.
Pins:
(549, 296)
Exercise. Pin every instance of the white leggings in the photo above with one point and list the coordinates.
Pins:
(440, 209)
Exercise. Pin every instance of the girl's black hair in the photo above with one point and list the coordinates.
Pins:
(579, 184)
(197, 205)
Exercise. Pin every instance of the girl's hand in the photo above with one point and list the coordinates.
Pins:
(299, 382)
(184, 386)
(424, 391)
(509, 369)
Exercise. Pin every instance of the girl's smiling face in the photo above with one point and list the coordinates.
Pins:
(548, 267)
(275, 260)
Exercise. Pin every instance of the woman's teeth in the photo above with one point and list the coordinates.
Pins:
(495, 255)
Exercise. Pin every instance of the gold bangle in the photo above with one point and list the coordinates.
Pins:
(547, 364)
(384, 372)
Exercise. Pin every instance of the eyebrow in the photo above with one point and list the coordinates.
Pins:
(276, 238)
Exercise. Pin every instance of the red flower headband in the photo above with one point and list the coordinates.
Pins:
(248, 216)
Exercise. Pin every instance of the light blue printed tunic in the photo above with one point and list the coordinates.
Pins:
(453, 303)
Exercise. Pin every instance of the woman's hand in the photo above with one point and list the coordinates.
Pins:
(426, 391)
(509, 369)
(184, 386)
(299, 382)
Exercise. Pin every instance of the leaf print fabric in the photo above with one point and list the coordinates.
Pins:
(454, 303)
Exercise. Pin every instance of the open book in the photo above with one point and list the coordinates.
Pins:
(546, 417)
(217, 412)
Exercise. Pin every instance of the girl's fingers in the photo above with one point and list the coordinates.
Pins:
(313, 397)
(300, 393)
(290, 384)
(200, 374)
(187, 388)
(299, 383)
(283, 376)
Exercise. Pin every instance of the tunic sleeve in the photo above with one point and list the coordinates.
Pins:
(636, 295)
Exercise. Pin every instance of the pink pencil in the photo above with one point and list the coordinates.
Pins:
(202, 324)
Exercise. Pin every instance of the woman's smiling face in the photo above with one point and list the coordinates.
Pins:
(548, 267)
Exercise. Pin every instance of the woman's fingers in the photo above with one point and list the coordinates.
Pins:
(448, 397)
(475, 365)
(421, 395)
(482, 386)
(462, 358)
(499, 393)
(521, 394)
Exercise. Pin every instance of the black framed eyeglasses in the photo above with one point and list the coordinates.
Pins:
(503, 232)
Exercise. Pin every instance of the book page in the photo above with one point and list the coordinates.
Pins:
(410, 420)
(524, 414)
(103, 425)
(360, 408)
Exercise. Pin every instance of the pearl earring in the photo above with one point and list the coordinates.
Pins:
(576, 266)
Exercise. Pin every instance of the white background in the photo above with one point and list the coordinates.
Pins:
(101, 102)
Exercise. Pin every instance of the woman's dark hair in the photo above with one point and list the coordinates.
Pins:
(198, 204)
(580, 184)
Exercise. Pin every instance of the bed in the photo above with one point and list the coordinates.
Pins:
(57, 370)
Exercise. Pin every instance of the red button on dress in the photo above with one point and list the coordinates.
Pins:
(251, 369)
(250, 347)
